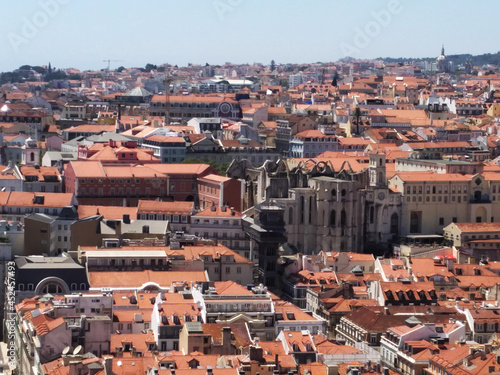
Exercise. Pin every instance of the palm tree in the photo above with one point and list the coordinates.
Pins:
(357, 114)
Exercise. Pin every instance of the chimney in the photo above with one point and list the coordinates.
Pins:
(74, 368)
(256, 354)
(449, 261)
(108, 364)
(226, 337)
(209, 370)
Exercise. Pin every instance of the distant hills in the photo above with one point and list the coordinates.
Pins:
(478, 60)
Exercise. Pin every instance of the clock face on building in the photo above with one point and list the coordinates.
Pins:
(381, 196)
(225, 108)
(156, 183)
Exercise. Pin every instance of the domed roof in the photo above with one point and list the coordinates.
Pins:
(442, 56)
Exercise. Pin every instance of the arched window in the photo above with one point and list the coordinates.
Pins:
(334, 194)
(74, 286)
(372, 214)
(344, 192)
(83, 286)
(20, 287)
(333, 218)
(343, 218)
(290, 215)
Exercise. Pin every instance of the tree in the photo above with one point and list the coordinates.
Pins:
(76, 77)
(357, 114)
(285, 84)
(120, 69)
(335, 82)
(39, 69)
(273, 66)
(55, 75)
(148, 68)
(221, 168)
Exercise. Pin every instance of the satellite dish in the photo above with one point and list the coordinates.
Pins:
(66, 350)
(78, 350)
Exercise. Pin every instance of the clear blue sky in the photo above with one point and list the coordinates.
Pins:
(82, 33)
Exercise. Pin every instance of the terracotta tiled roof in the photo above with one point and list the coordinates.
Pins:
(417, 176)
(230, 288)
(478, 227)
(219, 212)
(139, 340)
(239, 330)
(90, 128)
(164, 139)
(135, 279)
(129, 316)
(215, 178)
(167, 208)
(108, 212)
(314, 368)
(313, 134)
(27, 199)
(192, 99)
(287, 308)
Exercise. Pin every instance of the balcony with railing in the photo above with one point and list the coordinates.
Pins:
(477, 197)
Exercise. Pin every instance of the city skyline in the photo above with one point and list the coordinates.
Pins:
(73, 34)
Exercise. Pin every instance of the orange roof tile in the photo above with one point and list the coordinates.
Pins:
(108, 212)
(136, 279)
(166, 208)
(217, 211)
